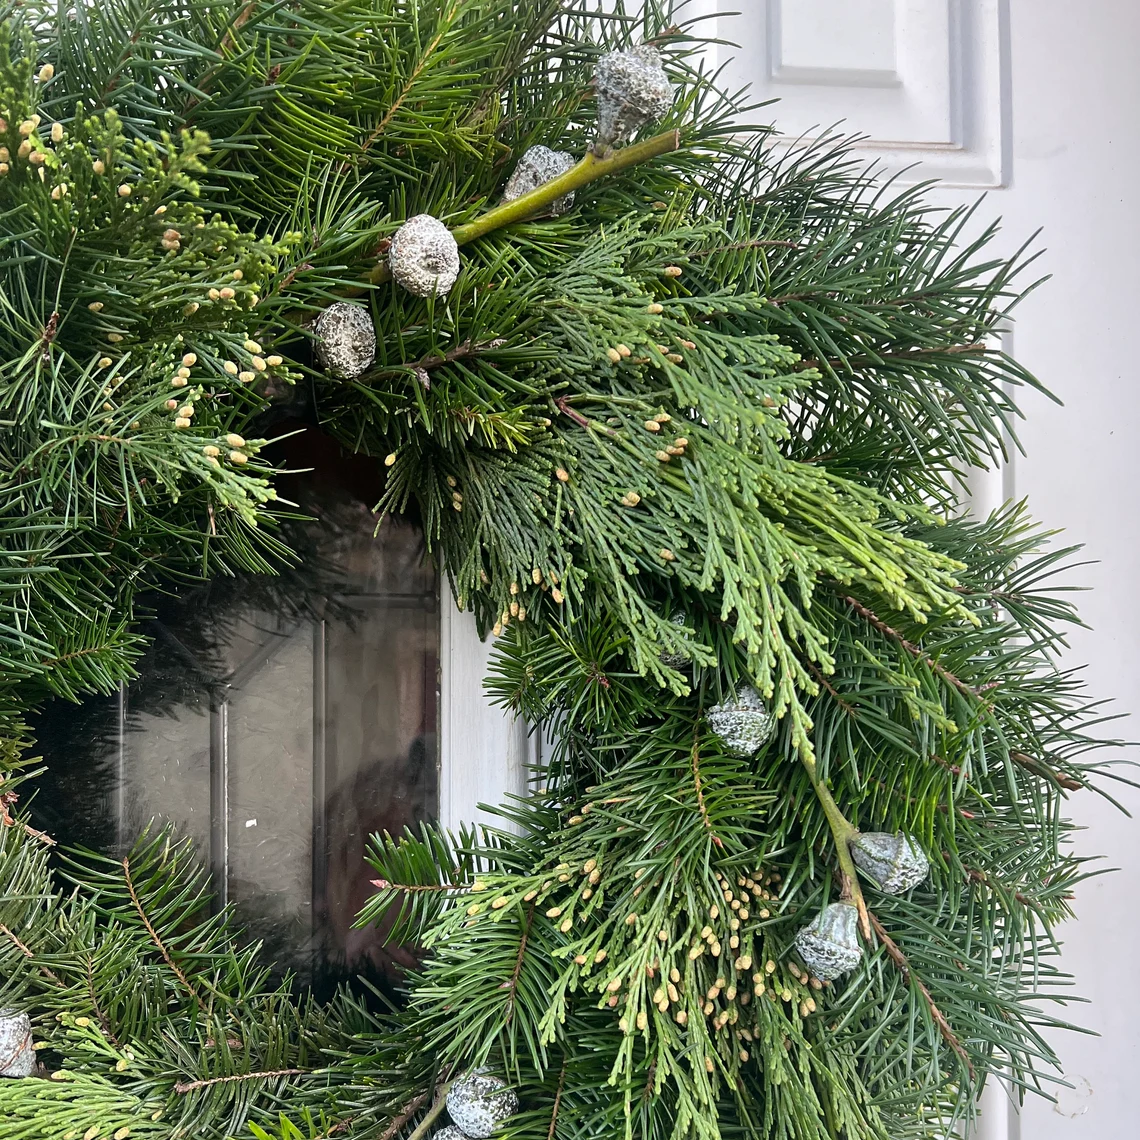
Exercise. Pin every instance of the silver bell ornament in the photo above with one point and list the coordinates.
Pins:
(829, 945)
(894, 863)
(539, 165)
(478, 1102)
(743, 724)
(346, 340)
(17, 1057)
(424, 257)
(633, 90)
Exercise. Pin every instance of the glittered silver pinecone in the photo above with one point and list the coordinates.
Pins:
(743, 724)
(346, 341)
(829, 944)
(424, 257)
(478, 1102)
(894, 863)
(450, 1132)
(17, 1057)
(539, 165)
(633, 90)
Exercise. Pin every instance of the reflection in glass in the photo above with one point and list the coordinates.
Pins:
(278, 722)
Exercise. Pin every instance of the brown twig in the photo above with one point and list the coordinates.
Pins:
(421, 1129)
(878, 358)
(154, 933)
(873, 619)
(27, 952)
(513, 982)
(818, 674)
(190, 1086)
(900, 959)
(420, 65)
(695, 759)
(736, 246)
(103, 1020)
(409, 1110)
(557, 1102)
(414, 888)
(1039, 768)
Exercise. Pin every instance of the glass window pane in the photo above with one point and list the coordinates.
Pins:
(278, 722)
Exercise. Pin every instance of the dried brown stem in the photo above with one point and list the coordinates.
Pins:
(695, 758)
(889, 631)
(27, 952)
(1039, 768)
(557, 1102)
(900, 959)
(190, 1086)
(409, 1110)
(869, 361)
(513, 982)
(154, 933)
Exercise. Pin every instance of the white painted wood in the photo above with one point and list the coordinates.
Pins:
(1048, 98)
(485, 754)
(924, 80)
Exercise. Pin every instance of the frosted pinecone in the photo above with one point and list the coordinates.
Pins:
(743, 724)
(894, 863)
(829, 944)
(538, 165)
(633, 90)
(424, 257)
(17, 1057)
(477, 1102)
(346, 340)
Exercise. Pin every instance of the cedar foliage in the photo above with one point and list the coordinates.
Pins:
(222, 169)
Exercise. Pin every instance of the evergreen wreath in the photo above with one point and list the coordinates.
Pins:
(685, 416)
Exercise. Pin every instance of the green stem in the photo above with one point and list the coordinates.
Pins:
(590, 168)
(843, 831)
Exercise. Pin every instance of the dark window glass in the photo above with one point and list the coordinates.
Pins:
(278, 722)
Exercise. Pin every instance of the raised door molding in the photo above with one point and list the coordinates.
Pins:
(926, 81)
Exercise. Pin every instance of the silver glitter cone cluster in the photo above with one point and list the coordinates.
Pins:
(539, 165)
(346, 341)
(743, 724)
(829, 944)
(17, 1057)
(424, 257)
(633, 90)
(450, 1133)
(478, 1102)
(894, 863)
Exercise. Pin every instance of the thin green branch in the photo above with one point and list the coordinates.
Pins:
(843, 832)
(588, 170)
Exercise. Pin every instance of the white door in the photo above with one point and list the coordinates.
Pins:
(1035, 102)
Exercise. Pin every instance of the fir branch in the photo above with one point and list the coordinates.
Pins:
(694, 759)
(28, 953)
(900, 959)
(918, 654)
(191, 1086)
(126, 864)
(512, 983)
